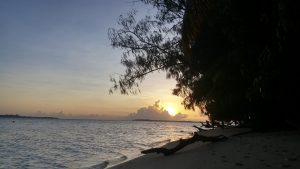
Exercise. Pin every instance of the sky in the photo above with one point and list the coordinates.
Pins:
(56, 60)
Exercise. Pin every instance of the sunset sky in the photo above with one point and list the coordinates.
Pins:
(56, 59)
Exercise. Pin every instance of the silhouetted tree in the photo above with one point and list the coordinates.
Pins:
(233, 59)
(151, 44)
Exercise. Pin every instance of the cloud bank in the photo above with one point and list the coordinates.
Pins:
(155, 112)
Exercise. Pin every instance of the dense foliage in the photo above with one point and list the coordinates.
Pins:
(233, 59)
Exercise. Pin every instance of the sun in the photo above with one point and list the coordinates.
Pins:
(171, 110)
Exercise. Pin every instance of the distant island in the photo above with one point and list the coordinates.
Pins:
(164, 120)
(25, 117)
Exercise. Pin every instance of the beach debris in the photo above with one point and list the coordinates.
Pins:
(184, 142)
(199, 128)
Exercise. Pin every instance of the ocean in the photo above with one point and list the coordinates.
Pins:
(78, 144)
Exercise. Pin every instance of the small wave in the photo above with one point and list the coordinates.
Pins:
(110, 162)
(139, 144)
(117, 160)
(159, 143)
(98, 166)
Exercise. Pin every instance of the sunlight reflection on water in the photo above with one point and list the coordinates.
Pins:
(39, 143)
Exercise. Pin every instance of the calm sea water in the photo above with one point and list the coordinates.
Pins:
(47, 143)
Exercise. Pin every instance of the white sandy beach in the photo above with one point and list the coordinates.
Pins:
(249, 151)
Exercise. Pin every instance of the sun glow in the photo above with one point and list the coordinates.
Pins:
(171, 110)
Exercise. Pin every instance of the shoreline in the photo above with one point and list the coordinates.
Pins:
(16, 116)
(252, 150)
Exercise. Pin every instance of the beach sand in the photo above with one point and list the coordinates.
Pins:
(250, 151)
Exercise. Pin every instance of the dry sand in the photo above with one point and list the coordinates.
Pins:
(272, 150)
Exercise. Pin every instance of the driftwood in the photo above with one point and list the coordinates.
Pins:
(199, 128)
(184, 142)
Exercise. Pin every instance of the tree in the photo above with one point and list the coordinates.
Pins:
(151, 44)
(233, 59)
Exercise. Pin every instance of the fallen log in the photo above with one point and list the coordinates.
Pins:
(199, 128)
(184, 142)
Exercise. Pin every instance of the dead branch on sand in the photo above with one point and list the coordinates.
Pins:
(184, 142)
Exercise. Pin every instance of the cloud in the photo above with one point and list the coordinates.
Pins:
(155, 112)
(180, 116)
(59, 114)
(64, 115)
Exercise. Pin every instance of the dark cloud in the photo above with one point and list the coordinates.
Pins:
(155, 112)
